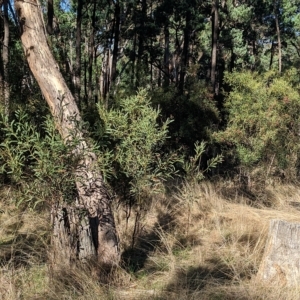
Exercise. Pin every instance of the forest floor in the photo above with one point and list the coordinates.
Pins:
(204, 241)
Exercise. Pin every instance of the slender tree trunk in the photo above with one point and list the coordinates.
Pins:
(5, 58)
(214, 44)
(105, 74)
(185, 51)
(85, 82)
(94, 230)
(133, 61)
(116, 43)
(278, 37)
(141, 41)
(91, 52)
(167, 55)
(77, 69)
(272, 55)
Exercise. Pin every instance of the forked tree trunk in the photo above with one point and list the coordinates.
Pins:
(86, 227)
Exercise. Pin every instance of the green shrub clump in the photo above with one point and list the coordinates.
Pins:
(135, 138)
(263, 122)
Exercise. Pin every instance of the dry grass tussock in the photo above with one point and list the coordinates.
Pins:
(196, 243)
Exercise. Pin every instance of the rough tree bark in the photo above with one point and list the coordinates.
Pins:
(86, 227)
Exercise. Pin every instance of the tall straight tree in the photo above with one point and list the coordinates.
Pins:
(142, 17)
(5, 57)
(276, 13)
(214, 44)
(185, 50)
(77, 69)
(85, 227)
(115, 51)
(91, 52)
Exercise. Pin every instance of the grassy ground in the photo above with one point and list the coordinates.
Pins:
(204, 241)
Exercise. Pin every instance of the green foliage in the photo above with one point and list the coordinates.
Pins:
(135, 137)
(263, 119)
(192, 166)
(35, 161)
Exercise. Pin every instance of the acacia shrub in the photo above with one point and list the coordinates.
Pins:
(134, 137)
(263, 123)
(35, 162)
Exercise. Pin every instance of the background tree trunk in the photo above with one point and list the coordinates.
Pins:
(115, 51)
(185, 51)
(5, 58)
(280, 263)
(91, 58)
(166, 54)
(94, 222)
(77, 68)
(278, 35)
(214, 45)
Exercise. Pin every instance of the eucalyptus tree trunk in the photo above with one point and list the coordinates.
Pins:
(214, 44)
(272, 55)
(91, 53)
(185, 50)
(77, 73)
(85, 228)
(5, 58)
(115, 51)
(167, 55)
(141, 44)
(278, 36)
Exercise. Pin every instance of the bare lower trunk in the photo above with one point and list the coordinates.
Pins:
(86, 226)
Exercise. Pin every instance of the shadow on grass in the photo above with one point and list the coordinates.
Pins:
(134, 258)
(195, 282)
(193, 279)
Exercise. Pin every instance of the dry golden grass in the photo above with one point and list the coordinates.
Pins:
(194, 244)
